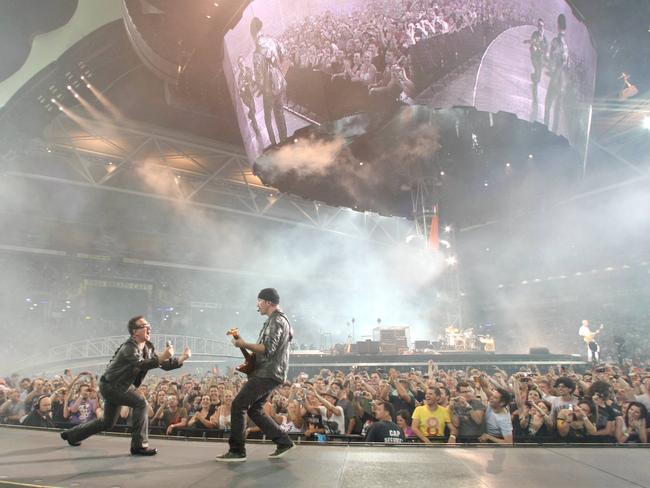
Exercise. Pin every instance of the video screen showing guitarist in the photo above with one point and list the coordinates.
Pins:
(267, 368)
(593, 349)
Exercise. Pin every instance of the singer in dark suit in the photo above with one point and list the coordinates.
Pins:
(118, 386)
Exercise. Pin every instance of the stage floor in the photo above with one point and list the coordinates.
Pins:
(29, 457)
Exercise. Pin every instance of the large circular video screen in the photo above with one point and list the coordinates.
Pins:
(292, 64)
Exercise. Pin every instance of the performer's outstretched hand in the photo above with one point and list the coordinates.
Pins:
(187, 353)
(167, 353)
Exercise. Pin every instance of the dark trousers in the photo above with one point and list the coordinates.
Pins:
(274, 104)
(113, 400)
(538, 66)
(250, 105)
(251, 399)
(553, 101)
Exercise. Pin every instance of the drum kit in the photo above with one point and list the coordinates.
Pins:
(466, 340)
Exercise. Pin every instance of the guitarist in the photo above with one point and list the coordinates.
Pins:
(593, 349)
(538, 54)
(271, 366)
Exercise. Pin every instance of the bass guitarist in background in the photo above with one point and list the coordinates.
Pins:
(271, 365)
(593, 349)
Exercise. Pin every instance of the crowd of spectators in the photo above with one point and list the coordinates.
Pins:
(395, 48)
(605, 404)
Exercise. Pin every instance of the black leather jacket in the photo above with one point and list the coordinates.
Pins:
(129, 365)
(37, 419)
(276, 336)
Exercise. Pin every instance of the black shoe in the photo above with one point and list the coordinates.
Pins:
(64, 436)
(281, 451)
(231, 457)
(143, 451)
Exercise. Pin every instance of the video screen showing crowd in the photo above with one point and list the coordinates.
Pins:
(294, 64)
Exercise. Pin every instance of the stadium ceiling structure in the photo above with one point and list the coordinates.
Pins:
(111, 156)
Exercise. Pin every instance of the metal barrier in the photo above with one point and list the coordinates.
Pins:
(105, 347)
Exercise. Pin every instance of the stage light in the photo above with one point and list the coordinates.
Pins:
(447, 228)
(208, 16)
(525, 282)
(646, 122)
(485, 184)
(507, 165)
(82, 77)
(530, 156)
(442, 173)
(451, 261)
(361, 163)
(52, 100)
(216, 4)
(87, 85)
(48, 150)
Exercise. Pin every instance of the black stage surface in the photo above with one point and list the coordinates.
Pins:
(41, 458)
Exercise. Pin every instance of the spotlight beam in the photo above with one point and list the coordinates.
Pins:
(110, 107)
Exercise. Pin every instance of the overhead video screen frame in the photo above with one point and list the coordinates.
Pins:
(293, 64)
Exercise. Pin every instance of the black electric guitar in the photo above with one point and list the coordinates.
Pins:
(249, 357)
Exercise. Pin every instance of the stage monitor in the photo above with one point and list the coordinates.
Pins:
(292, 64)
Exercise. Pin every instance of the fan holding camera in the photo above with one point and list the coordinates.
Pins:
(589, 336)
(573, 422)
(82, 408)
(468, 413)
